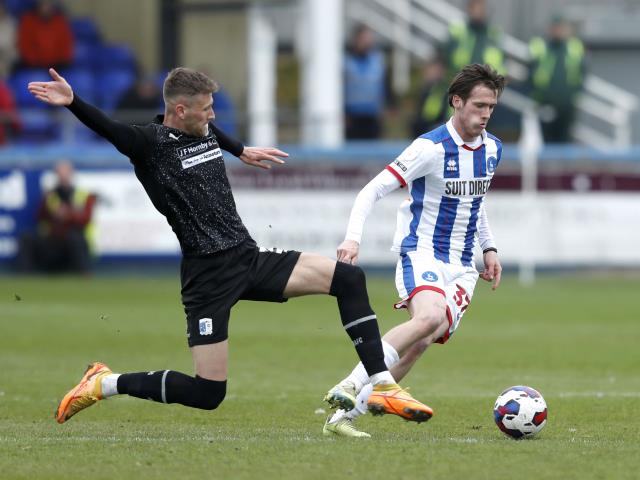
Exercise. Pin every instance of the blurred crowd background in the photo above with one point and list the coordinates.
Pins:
(345, 83)
(398, 59)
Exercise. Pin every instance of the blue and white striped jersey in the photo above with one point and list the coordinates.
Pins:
(447, 181)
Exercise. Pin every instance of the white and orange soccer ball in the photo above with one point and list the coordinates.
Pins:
(520, 412)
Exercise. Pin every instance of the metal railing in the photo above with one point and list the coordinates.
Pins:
(427, 26)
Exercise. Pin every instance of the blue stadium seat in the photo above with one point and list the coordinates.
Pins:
(111, 57)
(18, 83)
(84, 54)
(159, 78)
(85, 31)
(111, 85)
(83, 134)
(225, 112)
(39, 126)
(17, 7)
(82, 81)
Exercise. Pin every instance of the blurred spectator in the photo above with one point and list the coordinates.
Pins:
(44, 37)
(475, 41)
(141, 102)
(7, 41)
(433, 106)
(365, 86)
(9, 120)
(556, 77)
(61, 242)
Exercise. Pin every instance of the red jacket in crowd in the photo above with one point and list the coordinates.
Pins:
(45, 41)
(9, 121)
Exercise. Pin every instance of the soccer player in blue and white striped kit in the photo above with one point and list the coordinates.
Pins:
(447, 172)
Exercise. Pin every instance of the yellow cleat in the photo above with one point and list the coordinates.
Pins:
(390, 398)
(342, 396)
(83, 395)
(343, 427)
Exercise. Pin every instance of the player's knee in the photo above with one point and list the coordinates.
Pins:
(210, 393)
(347, 279)
(428, 323)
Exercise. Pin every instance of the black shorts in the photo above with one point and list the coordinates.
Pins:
(212, 284)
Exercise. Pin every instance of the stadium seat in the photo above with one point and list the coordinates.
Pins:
(39, 126)
(111, 85)
(17, 7)
(85, 31)
(83, 134)
(160, 77)
(18, 83)
(114, 57)
(84, 54)
(82, 81)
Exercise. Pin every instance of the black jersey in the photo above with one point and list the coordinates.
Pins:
(183, 175)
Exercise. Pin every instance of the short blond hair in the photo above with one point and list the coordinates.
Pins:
(186, 82)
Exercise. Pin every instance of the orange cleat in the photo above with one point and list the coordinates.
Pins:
(390, 398)
(83, 395)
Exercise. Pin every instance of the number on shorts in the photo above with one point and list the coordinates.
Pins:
(461, 298)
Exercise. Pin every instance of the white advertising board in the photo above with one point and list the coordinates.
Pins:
(554, 229)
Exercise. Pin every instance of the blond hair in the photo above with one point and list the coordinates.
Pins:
(186, 82)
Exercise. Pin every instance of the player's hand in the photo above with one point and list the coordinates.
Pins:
(58, 92)
(492, 269)
(257, 156)
(348, 252)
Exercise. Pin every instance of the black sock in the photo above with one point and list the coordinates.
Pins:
(350, 288)
(167, 386)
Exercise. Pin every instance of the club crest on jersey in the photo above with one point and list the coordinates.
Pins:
(205, 326)
(492, 163)
(430, 276)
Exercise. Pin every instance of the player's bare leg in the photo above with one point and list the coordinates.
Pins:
(408, 359)
(316, 274)
(211, 361)
(428, 322)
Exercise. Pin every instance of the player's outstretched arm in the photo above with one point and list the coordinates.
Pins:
(383, 184)
(258, 156)
(57, 92)
(127, 139)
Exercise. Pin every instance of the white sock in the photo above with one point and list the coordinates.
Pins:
(361, 402)
(391, 356)
(382, 378)
(359, 376)
(337, 416)
(110, 385)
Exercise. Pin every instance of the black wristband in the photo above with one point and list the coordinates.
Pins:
(490, 249)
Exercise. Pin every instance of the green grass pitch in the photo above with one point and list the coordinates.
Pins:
(574, 338)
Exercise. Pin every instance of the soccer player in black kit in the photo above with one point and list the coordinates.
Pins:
(179, 162)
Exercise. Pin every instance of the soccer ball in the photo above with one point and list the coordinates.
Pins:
(520, 412)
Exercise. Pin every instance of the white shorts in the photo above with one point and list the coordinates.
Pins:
(417, 271)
